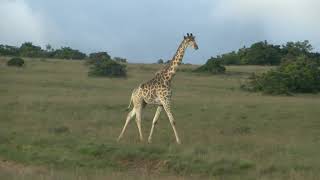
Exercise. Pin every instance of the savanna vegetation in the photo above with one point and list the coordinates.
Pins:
(213, 66)
(109, 68)
(298, 70)
(58, 123)
(101, 64)
(264, 53)
(259, 53)
(300, 75)
(16, 61)
(28, 49)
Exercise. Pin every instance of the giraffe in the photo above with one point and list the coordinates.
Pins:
(157, 91)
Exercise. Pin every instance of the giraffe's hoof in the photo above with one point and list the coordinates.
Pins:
(119, 138)
(149, 141)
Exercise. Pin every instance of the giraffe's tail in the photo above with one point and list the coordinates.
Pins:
(127, 109)
(134, 92)
(129, 103)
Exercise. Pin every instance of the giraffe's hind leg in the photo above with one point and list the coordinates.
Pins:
(138, 110)
(129, 117)
(154, 122)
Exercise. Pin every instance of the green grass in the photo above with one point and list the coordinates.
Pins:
(55, 117)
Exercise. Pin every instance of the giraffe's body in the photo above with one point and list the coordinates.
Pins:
(158, 91)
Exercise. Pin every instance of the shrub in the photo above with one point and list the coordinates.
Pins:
(97, 56)
(110, 68)
(89, 62)
(213, 65)
(301, 75)
(230, 58)
(68, 53)
(16, 61)
(120, 59)
(160, 61)
(27, 49)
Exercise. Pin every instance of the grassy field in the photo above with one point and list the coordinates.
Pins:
(58, 123)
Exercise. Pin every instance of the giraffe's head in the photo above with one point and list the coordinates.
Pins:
(190, 40)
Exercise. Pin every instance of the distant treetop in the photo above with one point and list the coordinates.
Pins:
(263, 53)
(27, 49)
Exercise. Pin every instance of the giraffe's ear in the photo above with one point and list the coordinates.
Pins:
(184, 37)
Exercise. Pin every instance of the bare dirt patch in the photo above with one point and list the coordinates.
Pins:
(11, 167)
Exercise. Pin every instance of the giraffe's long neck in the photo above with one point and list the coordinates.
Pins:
(169, 71)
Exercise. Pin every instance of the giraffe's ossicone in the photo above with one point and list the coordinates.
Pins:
(158, 91)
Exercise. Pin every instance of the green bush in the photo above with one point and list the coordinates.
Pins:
(27, 49)
(68, 53)
(230, 58)
(107, 67)
(160, 61)
(16, 61)
(120, 59)
(97, 56)
(299, 76)
(213, 65)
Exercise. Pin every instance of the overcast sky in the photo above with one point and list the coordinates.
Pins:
(146, 30)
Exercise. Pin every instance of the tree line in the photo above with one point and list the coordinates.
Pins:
(264, 53)
(28, 49)
(259, 53)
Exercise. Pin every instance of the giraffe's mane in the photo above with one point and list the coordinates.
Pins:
(170, 63)
(164, 68)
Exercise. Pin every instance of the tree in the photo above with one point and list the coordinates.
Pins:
(262, 53)
(99, 55)
(96, 57)
(120, 60)
(107, 67)
(297, 48)
(230, 58)
(160, 61)
(300, 75)
(213, 65)
(6, 50)
(49, 48)
(68, 53)
(27, 49)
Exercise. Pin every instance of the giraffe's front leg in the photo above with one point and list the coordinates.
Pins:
(167, 108)
(154, 122)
